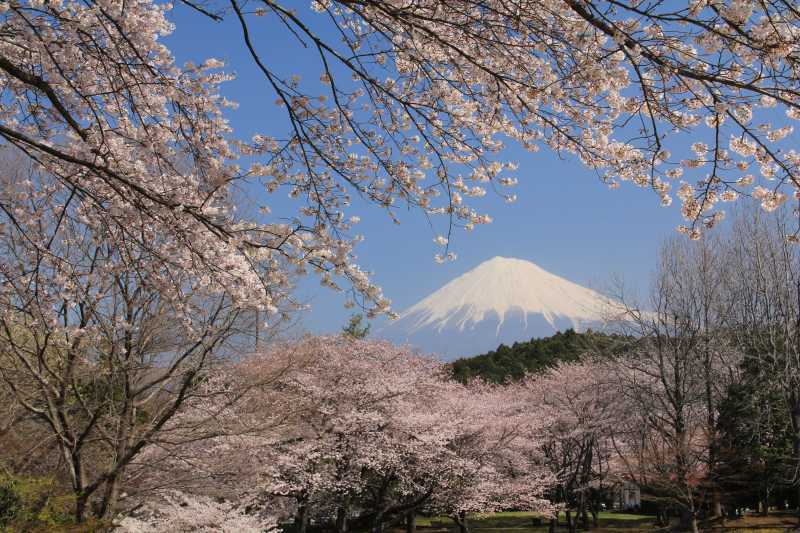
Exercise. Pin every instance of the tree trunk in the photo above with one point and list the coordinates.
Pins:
(301, 519)
(798, 505)
(580, 513)
(765, 501)
(78, 479)
(795, 410)
(716, 503)
(80, 508)
(411, 522)
(571, 524)
(661, 518)
(688, 514)
(377, 523)
(688, 521)
(732, 512)
(711, 423)
(553, 524)
(341, 520)
(110, 498)
(461, 520)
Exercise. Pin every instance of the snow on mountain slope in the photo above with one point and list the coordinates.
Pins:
(502, 300)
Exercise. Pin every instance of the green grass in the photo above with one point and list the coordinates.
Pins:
(522, 522)
(759, 530)
(608, 522)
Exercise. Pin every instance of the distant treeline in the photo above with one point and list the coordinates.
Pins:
(510, 363)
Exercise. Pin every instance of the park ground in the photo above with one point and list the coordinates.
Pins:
(609, 522)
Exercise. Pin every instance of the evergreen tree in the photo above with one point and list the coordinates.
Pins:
(511, 363)
(356, 327)
(755, 464)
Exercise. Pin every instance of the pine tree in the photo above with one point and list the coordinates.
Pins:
(356, 327)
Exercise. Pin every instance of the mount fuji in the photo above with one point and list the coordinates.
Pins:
(502, 300)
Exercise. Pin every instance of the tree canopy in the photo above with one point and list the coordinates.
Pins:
(534, 356)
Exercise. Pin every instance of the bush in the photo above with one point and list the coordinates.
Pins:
(10, 502)
(34, 503)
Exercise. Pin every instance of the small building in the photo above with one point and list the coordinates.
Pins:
(627, 496)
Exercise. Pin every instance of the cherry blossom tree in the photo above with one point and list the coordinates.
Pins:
(360, 442)
(96, 352)
(361, 434)
(389, 433)
(497, 462)
(176, 511)
(139, 148)
(332, 422)
(615, 83)
(582, 401)
(412, 105)
(662, 444)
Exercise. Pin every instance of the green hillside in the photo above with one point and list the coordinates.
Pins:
(513, 362)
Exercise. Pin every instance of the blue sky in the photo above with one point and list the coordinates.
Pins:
(565, 220)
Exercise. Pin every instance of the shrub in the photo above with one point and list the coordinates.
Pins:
(10, 502)
(34, 503)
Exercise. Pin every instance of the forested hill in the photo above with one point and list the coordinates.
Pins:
(535, 355)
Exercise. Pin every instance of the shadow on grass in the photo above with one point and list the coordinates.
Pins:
(522, 522)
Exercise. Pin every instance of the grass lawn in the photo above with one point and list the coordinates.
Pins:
(522, 522)
(609, 522)
(773, 523)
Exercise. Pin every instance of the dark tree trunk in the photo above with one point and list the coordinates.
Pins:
(716, 503)
(377, 523)
(795, 410)
(798, 505)
(75, 463)
(584, 513)
(411, 522)
(301, 519)
(110, 498)
(571, 523)
(711, 424)
(732, 512)
(660, 519)
(553, 524)
(688, 520)
(80, 508)
(341, 520)
(461, 521)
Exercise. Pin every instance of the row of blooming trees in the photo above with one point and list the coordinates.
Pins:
(696, 406)
(359, 434)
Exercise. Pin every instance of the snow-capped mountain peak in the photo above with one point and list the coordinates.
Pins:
(501, 300)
